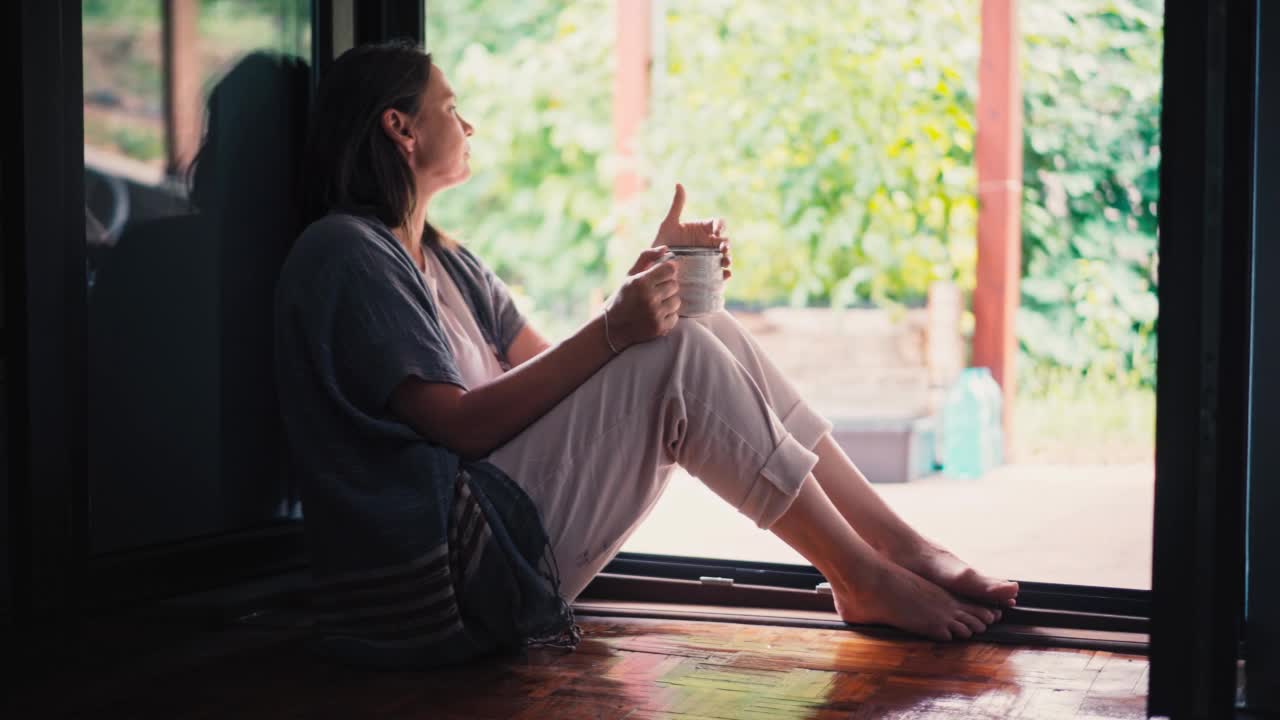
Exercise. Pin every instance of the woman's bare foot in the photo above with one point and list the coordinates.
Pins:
(891, 595)
(951, 573)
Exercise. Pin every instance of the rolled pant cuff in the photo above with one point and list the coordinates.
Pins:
(778, 482)
(807, 426)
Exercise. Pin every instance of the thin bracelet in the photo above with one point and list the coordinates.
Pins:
(606, 333)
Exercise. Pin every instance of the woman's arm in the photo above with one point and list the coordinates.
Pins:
(474, 422)
(528, 343)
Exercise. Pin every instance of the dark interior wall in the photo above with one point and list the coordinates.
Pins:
(43, 354)
(10, 212)
(6, 541)
(6, 582)
(1263, 609)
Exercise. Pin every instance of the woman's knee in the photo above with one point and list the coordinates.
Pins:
(726, 329)
(690, 345)
(683, 338)
(687, 334)
(689, 353)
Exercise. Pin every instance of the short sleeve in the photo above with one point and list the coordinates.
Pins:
(506, 315)
(385, 331)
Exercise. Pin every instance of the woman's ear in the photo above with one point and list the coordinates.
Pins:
(396, 125)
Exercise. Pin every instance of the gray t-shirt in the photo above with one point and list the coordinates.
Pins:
(354, 319)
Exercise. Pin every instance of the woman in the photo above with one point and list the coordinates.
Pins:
(420, 404)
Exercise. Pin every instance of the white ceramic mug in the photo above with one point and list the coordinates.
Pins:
(701, 278)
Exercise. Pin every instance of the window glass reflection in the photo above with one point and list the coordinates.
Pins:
(194, 119)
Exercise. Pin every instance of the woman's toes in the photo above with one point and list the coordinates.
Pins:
(1002, 590)
(975, 624)
(986, 615)
(997, 615)
(959, 630)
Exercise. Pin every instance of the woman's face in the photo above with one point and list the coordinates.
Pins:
(439, 152)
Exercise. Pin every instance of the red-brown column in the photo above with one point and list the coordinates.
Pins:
(999, 161)
(183, 115)
(633, 37)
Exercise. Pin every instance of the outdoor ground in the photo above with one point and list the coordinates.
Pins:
(1088, 525)
(1073, 506)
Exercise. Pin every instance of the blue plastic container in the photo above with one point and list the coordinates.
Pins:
(995, 396)
(972, 433)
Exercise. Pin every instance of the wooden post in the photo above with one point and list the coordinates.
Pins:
(634, 38)
(633, 41)
(999, 161)
(182, 105)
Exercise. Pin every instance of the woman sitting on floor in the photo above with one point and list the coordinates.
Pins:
(464, 478)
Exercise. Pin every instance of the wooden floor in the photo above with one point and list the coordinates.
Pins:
(624, 668)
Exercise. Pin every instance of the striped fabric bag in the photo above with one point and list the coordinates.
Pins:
(492, 586)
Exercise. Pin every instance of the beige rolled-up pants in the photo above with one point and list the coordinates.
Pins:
(704, 397)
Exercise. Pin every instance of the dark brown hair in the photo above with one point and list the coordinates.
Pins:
(349, 162)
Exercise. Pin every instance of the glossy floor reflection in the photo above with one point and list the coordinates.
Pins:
(643, 668)
(624, 668)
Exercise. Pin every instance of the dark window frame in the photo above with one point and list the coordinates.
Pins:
(1262, 613)
(45, 322)
(1206, 214)
(1047, 596)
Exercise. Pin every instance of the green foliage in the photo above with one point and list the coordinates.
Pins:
(112, 10)
(537, 82)
(123, 61)
(109, 10)
(138, 141)
(142, 144)
(838, 144)
(1091, 96)
(1062, 414)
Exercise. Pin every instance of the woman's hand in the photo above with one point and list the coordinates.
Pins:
(704, 233)
(646, 305)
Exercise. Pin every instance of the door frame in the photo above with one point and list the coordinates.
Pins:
(1206, 229)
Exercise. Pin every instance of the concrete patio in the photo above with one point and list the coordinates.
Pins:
(1079, 524)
